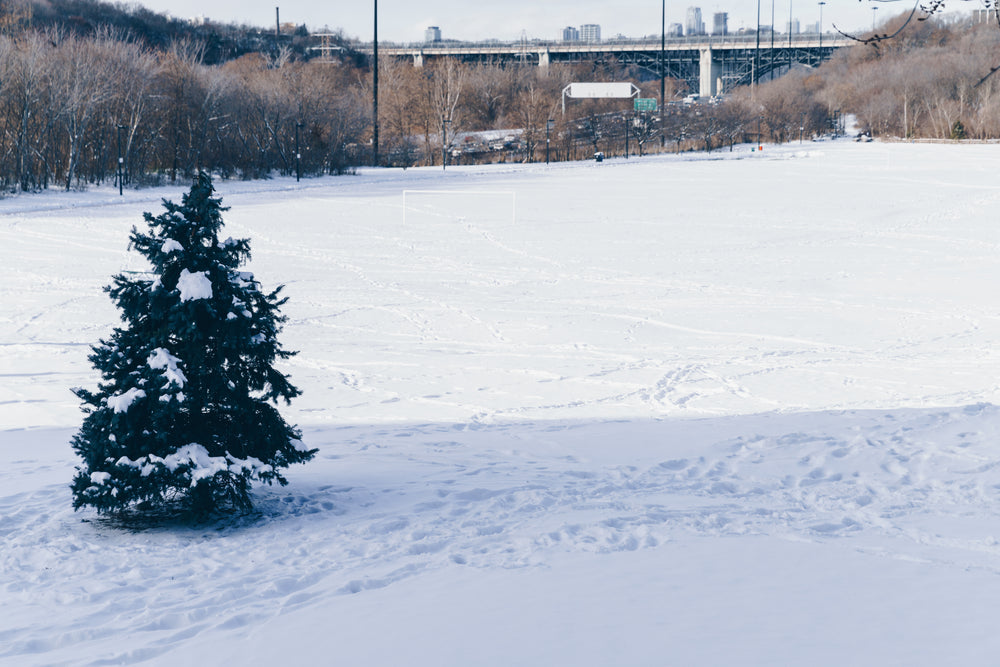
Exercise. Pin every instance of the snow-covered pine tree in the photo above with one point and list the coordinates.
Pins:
(186, 410)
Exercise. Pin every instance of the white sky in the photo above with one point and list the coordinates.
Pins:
(404, 21)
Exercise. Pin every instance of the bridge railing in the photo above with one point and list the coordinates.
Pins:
(780, 41)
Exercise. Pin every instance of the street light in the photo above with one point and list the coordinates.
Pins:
(626, 119)
(789, 35)
(663, 47)
(663, 71)
(874, 9)
(444, 141)
(756, 54)
(375, 90)
(548, 128)
(770, 60)
(120, 160)
(821, 30)
(298, 154)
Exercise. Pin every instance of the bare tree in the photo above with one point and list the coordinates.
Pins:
(492, 88)
(137, 71)
(180, 88)
(14, 16)
(734, 119)
(84, 82)
(536, 101)
(398, 110)
(23, 78)
(446, 85)
(333, 114)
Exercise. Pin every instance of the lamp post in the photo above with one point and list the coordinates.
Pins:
(756, 54)
(120, 161)
(789, 35)
(298, 154)
(770, 60)
(821, 3)
(444, 141)
(663, 70)
(548, 130)
(663, 48)
(626, 117)
(874, 9)
(375, 90)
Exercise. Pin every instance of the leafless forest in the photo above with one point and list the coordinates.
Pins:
(72, 102)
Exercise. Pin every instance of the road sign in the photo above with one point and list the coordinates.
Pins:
(645, 104)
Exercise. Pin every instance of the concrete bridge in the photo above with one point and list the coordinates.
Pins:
(710, 65)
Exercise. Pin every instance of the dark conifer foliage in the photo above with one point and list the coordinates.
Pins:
(186, 410)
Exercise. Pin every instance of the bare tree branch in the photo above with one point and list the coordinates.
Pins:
(876, 38)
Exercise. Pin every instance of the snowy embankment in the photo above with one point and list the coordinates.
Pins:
(728, 410)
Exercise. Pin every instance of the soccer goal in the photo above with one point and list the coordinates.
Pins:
(474, 206)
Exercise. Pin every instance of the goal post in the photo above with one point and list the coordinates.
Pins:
(454, 205)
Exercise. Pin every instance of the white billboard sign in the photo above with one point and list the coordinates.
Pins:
(600, 90)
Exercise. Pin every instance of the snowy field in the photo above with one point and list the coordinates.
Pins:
(726, 409)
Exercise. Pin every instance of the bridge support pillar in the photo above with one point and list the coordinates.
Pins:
(543, 58)
(709, 73)
(418, 59)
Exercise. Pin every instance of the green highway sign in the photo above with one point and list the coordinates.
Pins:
(645, 104)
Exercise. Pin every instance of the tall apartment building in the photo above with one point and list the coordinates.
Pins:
(432, 34)
(693, 24)
(720, 23)
(590, 32)
(675, 30)
(571, 34)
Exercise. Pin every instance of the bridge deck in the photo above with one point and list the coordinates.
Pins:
(731, 42)
(709, 65)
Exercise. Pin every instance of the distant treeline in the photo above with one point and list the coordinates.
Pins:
(70, 105)
(83, 82)
(935, 79)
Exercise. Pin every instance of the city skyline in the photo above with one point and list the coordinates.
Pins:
(406, 22)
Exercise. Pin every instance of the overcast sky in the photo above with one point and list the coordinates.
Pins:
(405, 20)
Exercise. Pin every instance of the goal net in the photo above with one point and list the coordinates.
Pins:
(473, 206)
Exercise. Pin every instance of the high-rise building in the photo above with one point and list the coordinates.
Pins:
(675, 30)
(432, 34)
(720, 23)
(693, 25)
(793, 27)
(590, 32)
(571, 34)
